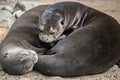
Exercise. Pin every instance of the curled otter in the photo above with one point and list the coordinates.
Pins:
(51, 26)
(92, 45)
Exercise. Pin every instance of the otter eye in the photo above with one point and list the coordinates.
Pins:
(52, 33)
(39, 30)
(41, 26)
(62, 22)
(5, 54)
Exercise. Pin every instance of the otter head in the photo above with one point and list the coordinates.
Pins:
(18, 61)
(51, 26)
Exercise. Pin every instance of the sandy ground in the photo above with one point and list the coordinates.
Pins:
(111, 7)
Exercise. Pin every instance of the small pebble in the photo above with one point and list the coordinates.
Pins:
(40, 77)
(8, 8)
(56, 78)
(24, 79)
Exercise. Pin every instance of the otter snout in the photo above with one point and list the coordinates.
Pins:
(19, 61)
(46, 38)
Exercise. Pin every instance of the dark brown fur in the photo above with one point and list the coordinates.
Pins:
(92, 48)
(24, 35)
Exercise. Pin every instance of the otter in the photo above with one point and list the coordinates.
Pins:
(92, 44)
(18, 51)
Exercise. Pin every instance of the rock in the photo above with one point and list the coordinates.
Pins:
(24, 79)
(56, 78)
(11, 0)
(26, 5)
(19, 6)
(8, 22)
(4, 14)
(3, 33)
(2, 73)
(1, 7)
(8, 8)
(6, 19)
(40, 77)
(18, 13)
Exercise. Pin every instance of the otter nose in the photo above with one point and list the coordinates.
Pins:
(44, 37)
